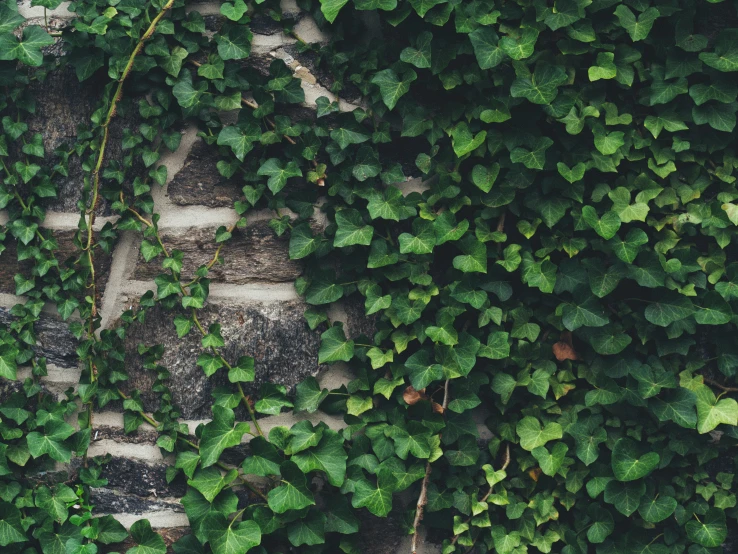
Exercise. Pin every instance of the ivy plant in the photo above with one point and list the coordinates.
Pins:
(534, 202)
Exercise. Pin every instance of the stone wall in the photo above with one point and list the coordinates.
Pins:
(252, 293)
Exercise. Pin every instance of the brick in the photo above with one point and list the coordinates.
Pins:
(53, 339)
(62, 104)
(274, 333)
(199, 183)
(253, 254)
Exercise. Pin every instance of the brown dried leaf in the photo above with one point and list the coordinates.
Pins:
(437, 407)
(535, 473)
(564, 351)
(412, 396)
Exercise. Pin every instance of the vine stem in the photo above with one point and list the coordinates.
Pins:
(489, 492)
(245, 398)
(151, 421)
(718, 385)
(90, 211)
(423, 497)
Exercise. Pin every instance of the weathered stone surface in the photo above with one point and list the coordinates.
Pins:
(9, 264)
(53, 339)
(253, 254)
(198, 182)
(274, 333)
(141, 479)
(62, 104)
(106, 501)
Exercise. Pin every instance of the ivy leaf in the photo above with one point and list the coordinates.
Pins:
(423, 369)
(351, 229)
(264, 458)
(638, 29)
(219, 434)
(302, 241)
(627, 250)
(28, 49)
(51, 442)
(626, 497)
(308, 395)
(309, 530)
(474, 259)
(330, 8)
(278, 173)
(293, 493)
(572, 175)
(714, 311)
(329, 456)
(485, 43)
(420, 55)
(628, 464)
(334, 346)
(584, 314)
(710, 531)
(463, 140)
(711, 412)
(366, 164)
(657, 509)
(11, 528)
(234, 11)
(522, 46)
(148, 542)
(421, 242)
(10, 20)
(484, 177)
(235, 43)
(392, 86)
(534, 158)
(232, 537)
(602, 525)
(550, 462)
(240, 140)
(210, 481)
(532, 434)
(607, 226)
(423, 6)
(669, 310)
(378, 500)
(540, 87)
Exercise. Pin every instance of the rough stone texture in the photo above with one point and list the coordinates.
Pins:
(65, 239)
(274, 333)
(199, 183)
(62, 104)
(141, 479)
(54, 341)
(107, 501)
(254, 253)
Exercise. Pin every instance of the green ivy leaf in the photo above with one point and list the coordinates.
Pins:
(28, 49)
(334, 346)
(292, 493)
(148, 542)
(628, 464)
(392, 86)
(219, 434)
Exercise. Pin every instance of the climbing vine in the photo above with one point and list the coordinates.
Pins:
(534, 202)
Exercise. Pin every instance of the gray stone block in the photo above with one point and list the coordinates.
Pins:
(54, 341)
(62, 104)
(199, 183)
(274, 333)
(253, 254)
